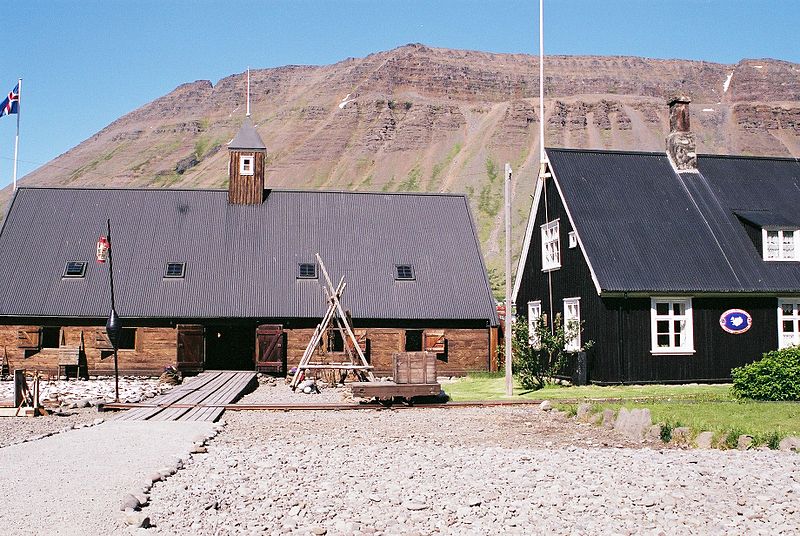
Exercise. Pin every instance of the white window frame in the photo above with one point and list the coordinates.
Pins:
(781, 253)
(688, 340)
(247, 164)
(573, 240)
(574, 344)
(551, 246)
(534, 313)
(794, 318)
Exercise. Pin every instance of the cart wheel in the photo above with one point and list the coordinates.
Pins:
(386, 402)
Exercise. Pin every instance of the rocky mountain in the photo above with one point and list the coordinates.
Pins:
(426, 119)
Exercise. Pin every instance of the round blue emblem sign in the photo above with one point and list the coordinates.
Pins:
(735, 321)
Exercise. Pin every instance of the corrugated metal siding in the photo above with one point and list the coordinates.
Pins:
(241, 260)
(647, 228)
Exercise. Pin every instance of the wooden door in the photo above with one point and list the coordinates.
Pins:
(191, 348)
(269, 349)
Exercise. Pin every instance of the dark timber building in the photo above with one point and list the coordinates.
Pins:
(681, 267)
(228, 279)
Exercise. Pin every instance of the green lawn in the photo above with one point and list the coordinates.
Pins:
(698, 406)
(493, 387)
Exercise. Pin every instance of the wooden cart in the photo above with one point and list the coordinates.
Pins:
(414, 377)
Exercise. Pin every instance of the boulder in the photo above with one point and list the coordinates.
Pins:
(608, 418)
(546, 405)
(791, 443)
(704, 440)
(744, 442)
(633, 423)
(584, 412)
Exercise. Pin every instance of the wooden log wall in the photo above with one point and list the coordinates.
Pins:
(246, 189)
(154, 349)
(467, 349)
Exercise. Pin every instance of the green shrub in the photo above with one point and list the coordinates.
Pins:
(536, 364)
(774, 377)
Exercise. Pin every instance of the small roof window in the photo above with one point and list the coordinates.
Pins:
(307, 270)
(75, 269)
(175, 270)
(404, 272)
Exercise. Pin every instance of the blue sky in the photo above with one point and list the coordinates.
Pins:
(86, 63)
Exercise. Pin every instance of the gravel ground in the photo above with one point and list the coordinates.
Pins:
(66, 400)
(73, 483)
(511, 470)
(277, 391)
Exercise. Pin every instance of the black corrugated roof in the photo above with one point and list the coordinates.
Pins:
(242, 260)
(645, 227)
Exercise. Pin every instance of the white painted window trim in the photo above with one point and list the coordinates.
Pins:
(688, 347)
(551, 228)
(245, 169)
(781, 256)
(534, 313)
(794, 318)
(573, 240)
(574, 344)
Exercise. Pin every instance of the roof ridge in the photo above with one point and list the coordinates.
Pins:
(223, 190)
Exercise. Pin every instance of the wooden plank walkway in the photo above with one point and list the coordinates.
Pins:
(200, 399)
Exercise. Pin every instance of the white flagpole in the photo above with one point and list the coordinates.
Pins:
(541, 82)
(16, 141)
(248, 92)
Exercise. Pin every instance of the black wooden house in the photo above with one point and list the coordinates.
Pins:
(680, 266)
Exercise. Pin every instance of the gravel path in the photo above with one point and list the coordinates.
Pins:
(17, 430)
(506, 470)
(73, 483)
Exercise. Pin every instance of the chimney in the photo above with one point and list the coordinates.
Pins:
(247, 154)
(680, 141)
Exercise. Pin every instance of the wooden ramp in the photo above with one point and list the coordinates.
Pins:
(200, 399)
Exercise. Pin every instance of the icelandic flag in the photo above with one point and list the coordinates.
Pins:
(11, 103)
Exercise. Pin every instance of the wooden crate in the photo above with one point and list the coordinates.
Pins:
(389, 390)
(414, 368)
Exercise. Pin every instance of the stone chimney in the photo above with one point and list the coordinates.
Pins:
(246, 168)
(680, 141)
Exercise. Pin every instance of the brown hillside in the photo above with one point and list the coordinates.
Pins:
(420, 118)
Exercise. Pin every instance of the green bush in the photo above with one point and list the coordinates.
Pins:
(774, 377)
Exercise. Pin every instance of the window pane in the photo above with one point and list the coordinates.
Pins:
(662, 309)
(788, 326)
(663, 341)
(662, 326)
(678, 340)
(772, 245)
(788, 244)
(787, 308)
(678, 308)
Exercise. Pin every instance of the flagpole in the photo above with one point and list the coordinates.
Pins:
(16, 140)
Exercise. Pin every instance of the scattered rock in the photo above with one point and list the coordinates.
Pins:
(584, 412)
(654, 432)
(744, 442)
(609, 416)
(704, 440)
(137, 520)
(546, 405)
(633, 423)
(790, 443)
(129, 502)
(415, 506)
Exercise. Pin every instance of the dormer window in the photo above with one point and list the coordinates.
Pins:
(780, 244)
(247, 164)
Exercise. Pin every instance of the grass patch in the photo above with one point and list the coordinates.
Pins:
(699, 407)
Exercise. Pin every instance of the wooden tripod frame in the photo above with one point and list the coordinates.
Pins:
(335, 313)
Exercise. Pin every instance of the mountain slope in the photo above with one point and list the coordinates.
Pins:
(425, 119)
